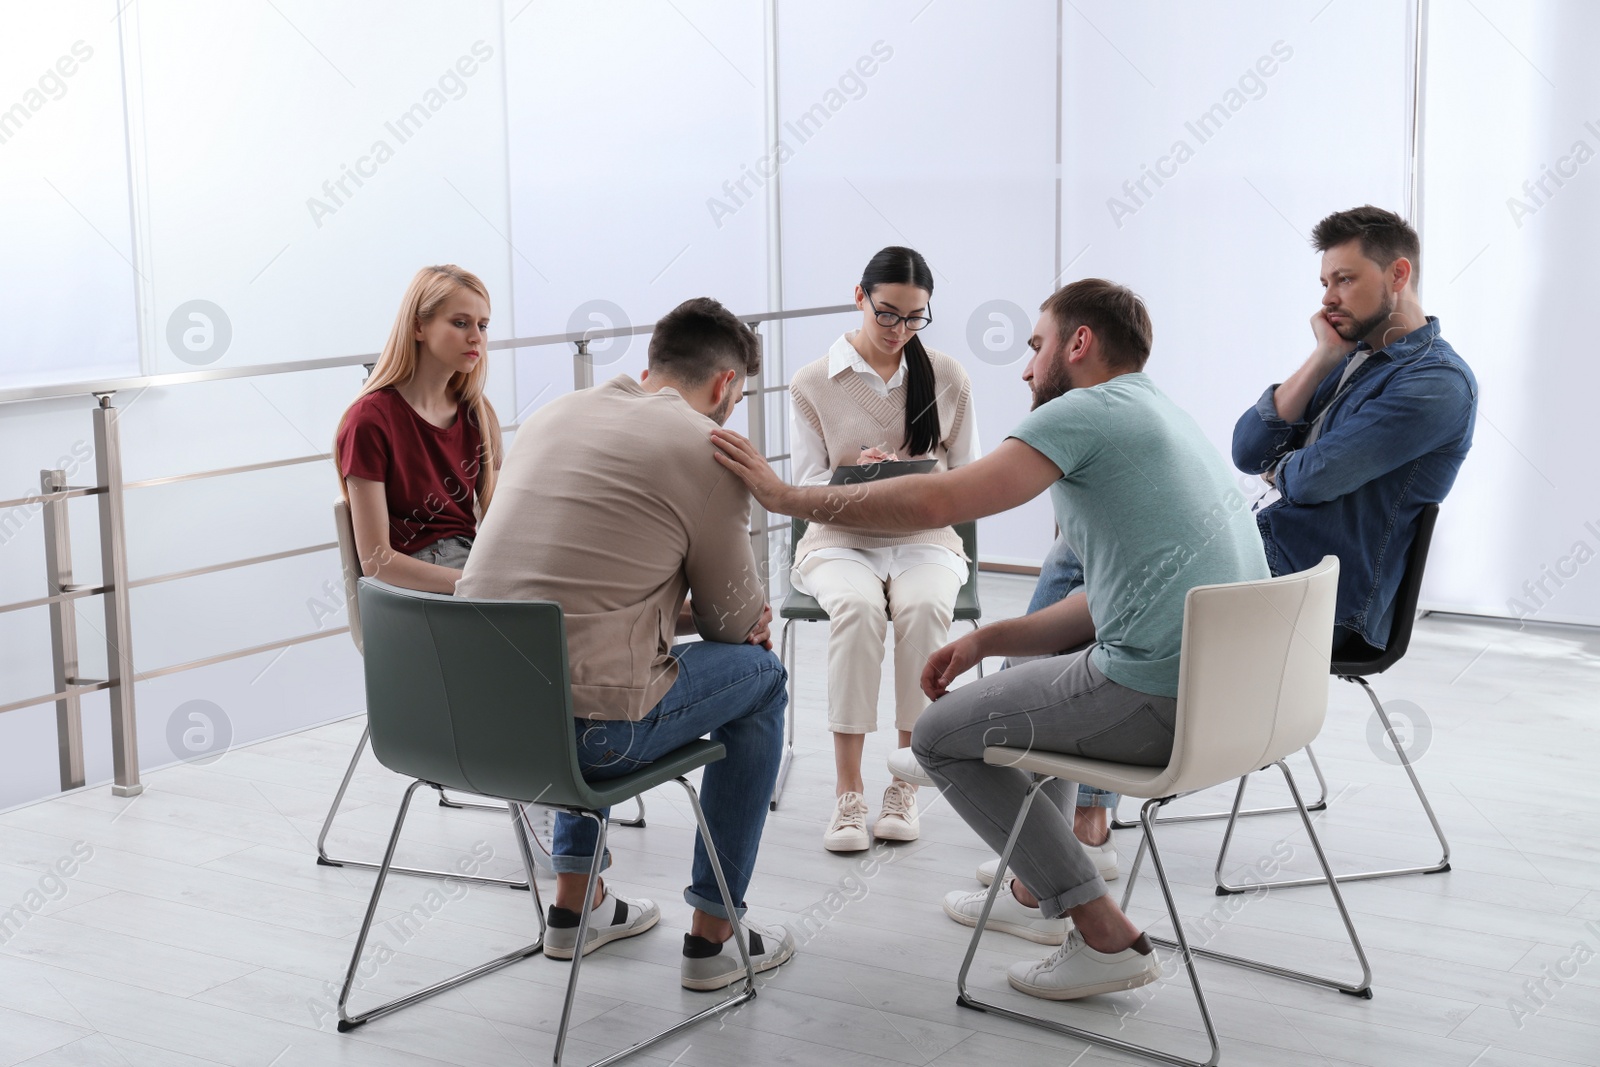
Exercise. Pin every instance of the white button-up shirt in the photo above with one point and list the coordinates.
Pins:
(809, 461)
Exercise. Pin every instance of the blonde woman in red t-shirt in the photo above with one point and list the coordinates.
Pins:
(419, 448)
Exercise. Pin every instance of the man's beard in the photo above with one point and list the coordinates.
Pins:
(1355, 331)
(723, 410)
(1055, 383)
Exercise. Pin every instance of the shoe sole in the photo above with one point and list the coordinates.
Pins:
(1077, 992)
(841, 846)
(896, 833)
(985, 878)
(614, 934)
(722, 981)
(1038, 937)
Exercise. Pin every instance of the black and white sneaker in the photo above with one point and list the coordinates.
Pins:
(613, 918)
(708, 965)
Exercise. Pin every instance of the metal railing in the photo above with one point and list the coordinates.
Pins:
(63, 593)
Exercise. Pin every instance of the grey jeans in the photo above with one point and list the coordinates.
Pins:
(448, 552)
(1062, 704)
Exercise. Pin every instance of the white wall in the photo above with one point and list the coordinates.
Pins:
(948, 146)
(64, 198)
(623, 119)
(239, 115)
(1511, 91)
(1219, 249)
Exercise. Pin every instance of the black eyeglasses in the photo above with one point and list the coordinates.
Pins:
(889, 320)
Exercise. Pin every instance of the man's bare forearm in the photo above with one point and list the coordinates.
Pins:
(1063, 625)
(912, 502)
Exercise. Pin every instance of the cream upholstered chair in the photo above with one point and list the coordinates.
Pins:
(1252, 689)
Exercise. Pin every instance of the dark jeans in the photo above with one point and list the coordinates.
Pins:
(734, 693)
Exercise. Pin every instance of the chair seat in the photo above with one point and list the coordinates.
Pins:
(798, 605)
(690, 757)
(1125, 778)
(1357, 659)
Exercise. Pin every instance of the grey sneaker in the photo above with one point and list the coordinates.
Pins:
(708, 965)
(613, 918)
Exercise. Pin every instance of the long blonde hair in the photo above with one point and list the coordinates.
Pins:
(429, 289)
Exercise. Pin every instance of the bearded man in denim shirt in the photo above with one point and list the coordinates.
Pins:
(1371, 428)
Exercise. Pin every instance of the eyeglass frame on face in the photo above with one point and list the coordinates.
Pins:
(895, 320)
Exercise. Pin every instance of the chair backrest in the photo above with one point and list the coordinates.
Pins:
(967, 531)
(349, 566)
(472, 694)
(1252, 674)
(1405, 601)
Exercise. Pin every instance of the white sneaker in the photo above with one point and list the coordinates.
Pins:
(709, 965)
(1075, 970)
(613, 918)
(1009, 916)
(848, 830)
(899, 819)
(1104, 856)
(904, 766)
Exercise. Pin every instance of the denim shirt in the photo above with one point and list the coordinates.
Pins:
(1392, 442)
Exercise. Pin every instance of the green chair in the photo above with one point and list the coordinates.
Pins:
(350, 566)
(475, 696)
(798, 607)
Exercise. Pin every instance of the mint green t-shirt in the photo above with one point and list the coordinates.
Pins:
(1151, 509)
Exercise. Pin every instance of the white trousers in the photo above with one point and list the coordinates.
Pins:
(859, 604)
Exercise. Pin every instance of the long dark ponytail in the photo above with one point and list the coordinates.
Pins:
(905, 266)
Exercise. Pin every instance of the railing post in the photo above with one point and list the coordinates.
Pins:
(114, 576)
(756, 422)
(63, 630)
(582, 366)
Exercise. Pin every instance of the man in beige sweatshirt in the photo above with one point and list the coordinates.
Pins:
(609, 504)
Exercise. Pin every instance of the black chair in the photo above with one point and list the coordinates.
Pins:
(798, 607)
(1354, 662)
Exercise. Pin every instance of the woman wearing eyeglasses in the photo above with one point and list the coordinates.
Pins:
(880, 394)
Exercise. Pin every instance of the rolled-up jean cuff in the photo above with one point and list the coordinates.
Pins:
(578, 864)
(1090, 797)
(1058, 905)
(709, 906)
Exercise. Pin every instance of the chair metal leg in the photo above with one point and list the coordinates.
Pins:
(1364, 988)
(1320, 804)
(745, 994)
(966, 1000)
(324, 860)
(348, 1022)
(1361, 876)
(583, 928)
(786, 656)
(974, 623)
(637, 820)
(445, 801)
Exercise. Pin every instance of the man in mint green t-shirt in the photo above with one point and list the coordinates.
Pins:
(1151, 509)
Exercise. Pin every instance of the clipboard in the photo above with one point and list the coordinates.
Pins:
(874, 472)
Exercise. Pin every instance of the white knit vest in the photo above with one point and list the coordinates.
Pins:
(847, 413)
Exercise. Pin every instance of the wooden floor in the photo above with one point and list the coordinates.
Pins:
(195, 928)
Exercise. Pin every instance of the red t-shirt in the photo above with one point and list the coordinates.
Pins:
(429, 475)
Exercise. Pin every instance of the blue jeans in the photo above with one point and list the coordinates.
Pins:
(735, 693)
(1059, 577)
